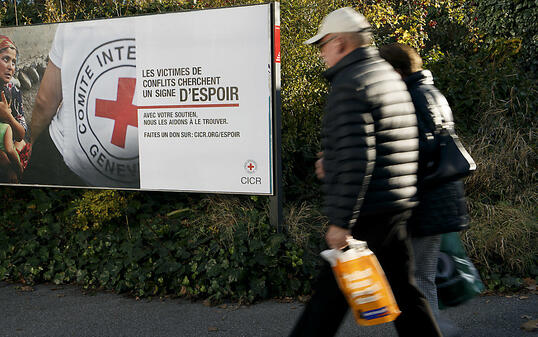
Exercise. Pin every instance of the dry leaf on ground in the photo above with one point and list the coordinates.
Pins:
(26, 288)
(530, 326)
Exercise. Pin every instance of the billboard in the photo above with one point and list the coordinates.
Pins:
(178, 101)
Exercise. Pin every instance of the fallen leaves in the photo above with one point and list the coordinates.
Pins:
(25, 289)
(530, 284)
(304, 299)
(286, 299)
(530, 326)
(183, 291)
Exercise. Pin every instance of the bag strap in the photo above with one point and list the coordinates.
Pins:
(440, 121)
(461, 148)
(449, 127)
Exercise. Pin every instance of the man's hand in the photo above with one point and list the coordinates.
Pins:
(336, 237)
(320, 171)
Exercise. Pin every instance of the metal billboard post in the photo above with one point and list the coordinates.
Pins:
(275, 201)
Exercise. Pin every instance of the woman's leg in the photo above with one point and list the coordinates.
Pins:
(426, 252)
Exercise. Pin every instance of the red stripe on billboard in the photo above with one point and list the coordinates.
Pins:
(190, 106)
(277, 44)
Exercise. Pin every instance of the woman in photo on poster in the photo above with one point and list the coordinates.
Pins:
(14, 149)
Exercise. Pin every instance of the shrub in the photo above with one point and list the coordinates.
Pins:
(495, 113)
(239, 257)
(504, 239)
(97, 207)
(512, 19)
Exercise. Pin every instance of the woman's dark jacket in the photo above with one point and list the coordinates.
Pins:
(369, 139)
(442, 208)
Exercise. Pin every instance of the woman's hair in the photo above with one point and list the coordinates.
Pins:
(6, 43)
(402, 57)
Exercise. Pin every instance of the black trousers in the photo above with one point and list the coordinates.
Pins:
(386, 236)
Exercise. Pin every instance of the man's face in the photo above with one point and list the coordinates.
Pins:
(328, 49)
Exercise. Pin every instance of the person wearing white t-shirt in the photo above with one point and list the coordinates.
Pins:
(84, 123)
(46, 105)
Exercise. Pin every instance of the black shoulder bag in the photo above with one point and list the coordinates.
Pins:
(454, 162)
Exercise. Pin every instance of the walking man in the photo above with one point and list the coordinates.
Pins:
(370, 154)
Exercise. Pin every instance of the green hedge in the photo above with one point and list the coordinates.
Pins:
(184, 252)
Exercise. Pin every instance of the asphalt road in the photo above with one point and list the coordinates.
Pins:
(49, 310)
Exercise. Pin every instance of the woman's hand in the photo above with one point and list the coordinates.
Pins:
(5, 109)
(6, 117)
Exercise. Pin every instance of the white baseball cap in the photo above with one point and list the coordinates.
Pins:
(342, 20)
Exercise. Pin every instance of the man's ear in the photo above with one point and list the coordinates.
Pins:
(341, 45)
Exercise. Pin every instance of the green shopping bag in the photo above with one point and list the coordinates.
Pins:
(457, 279)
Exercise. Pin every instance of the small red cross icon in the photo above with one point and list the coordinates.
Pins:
(250, 166)
(122, 110)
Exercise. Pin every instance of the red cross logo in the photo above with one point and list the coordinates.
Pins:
(122, 110)
(250, 166)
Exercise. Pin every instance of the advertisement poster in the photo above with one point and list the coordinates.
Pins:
(178, 102)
